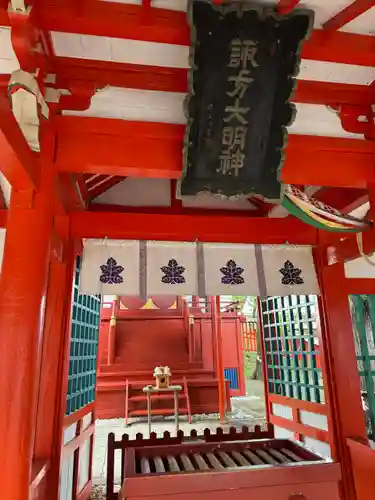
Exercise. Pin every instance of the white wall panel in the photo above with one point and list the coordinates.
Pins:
(70, 433)
(8, 59)
(66, 478)
(314, 420)
(120, 50)
(319, 447)
(363, 24)
(325, 9)
(360, 268)
(137, 192)
(282, 411)
(281, 433)
(137, 105)
(86, 421)
(6, 188)
(176, 56)
(323, 71)
(167, 107)
(84, 465)
(316, 119)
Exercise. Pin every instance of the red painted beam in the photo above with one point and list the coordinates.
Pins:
(73, 72)
(77, 126)
(311, 92)
(205, 228)
(177, 209)
(340, 47)
(123, 156)
(355, 9)
(102, 73)
(3, 218)
(155, 150)
(165, 26)
(328, 168)
(347, 249)
(286, 6)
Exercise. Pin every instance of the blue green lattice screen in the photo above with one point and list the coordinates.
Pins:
(83, 347)
(362, 308)
(292, 347)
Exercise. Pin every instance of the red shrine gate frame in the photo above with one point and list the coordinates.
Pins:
(53, 207)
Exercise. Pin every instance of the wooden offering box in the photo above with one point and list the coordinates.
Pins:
(265, 469)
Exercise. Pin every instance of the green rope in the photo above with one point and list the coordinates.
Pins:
(300, 214)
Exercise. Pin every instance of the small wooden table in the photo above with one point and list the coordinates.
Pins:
(148, 389)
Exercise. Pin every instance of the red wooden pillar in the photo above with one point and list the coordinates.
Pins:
(23, 284)
(55, 353)
(216, 325)
(341, 367)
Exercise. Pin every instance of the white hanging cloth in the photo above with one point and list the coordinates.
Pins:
(171, 268)
(286, 270)
(228, 270)
(122, 267)
(110, 267)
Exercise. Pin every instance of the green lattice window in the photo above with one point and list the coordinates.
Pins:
(83, 347)
(292, 347)
(362, 308)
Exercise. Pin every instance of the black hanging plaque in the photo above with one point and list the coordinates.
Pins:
(243, 66)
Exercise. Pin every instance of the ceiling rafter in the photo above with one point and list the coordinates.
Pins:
(119, 20)
(351, 12)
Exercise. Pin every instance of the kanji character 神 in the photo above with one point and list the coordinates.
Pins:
(231, 161)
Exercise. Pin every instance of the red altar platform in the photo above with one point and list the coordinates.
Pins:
(136, 336)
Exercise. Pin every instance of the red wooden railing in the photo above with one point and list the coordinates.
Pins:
(249, 337)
